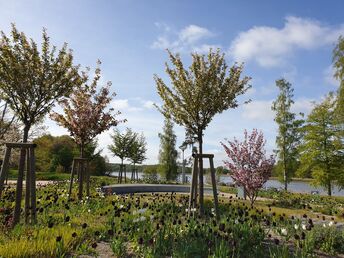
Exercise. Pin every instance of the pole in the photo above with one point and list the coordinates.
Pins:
(183, 169)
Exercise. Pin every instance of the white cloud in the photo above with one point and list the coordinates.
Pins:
(204, 48)
(148, 104)
(163, 43)
(251, 92)
(120, 103)
(261, 110)
(187, 39)
(163, 26)
(329, 78)
(193, 33)
(303, 105)
(123, 105)
(258, 110)
(270, 46)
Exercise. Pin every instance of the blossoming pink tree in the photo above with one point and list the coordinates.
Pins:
(249, 167)
(86, 113)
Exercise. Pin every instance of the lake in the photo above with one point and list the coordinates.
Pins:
(294, 186)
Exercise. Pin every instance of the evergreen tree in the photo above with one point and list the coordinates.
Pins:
(289, 133)
(168, 154)
(338, 64)
(321, 151)
(61, 153)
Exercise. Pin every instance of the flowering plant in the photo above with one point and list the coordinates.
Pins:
(248, 164)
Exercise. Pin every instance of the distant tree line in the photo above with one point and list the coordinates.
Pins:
(313, 146)
(56, 153)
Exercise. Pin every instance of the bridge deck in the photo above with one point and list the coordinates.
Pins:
(147, 188)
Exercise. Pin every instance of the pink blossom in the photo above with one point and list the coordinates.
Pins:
(248, 164)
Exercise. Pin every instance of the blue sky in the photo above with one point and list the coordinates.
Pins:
(290, 39)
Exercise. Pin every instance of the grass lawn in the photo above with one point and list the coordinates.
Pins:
(157, 225)
(53, 176)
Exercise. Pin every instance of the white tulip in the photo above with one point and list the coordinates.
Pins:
(284, 231)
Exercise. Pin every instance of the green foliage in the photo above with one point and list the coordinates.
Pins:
(338, 64)
(118, 247)
(122, 143)
(31, 80)
(221, 170)
(150, 173)
(43, 152)
(86, 112)
(321, 151)
(62, 151)
(199, 93)
(168, 154)
(8, 125)
(97, 161)
(289, 132)
(50, 176)
(327, 239)
(138, 149)
(98, 165)
(157, 225)
(55, 152)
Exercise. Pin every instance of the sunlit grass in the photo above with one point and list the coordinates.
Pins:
(157, 225)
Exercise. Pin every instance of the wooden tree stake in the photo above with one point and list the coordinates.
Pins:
(81, 166)
(26, 152)
(195, 186)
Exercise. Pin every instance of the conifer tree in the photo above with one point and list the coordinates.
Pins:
(338, 64)
(322, 148)
(168, 154)
(289, 132)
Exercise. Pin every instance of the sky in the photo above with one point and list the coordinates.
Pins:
(274, 39)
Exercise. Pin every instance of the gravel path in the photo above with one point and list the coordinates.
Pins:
(39, 182)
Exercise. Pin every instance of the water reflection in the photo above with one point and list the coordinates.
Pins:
(294, 186)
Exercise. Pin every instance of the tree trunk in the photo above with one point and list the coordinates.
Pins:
(33, 186)
(285, 179)
(134, 171)
(121, 172)
(200, 174)
(4, 169)
(285, 168)
(81, 169)
(74, 165)
(19, 190)
(252, 199)
(329, 188)
(88, 178)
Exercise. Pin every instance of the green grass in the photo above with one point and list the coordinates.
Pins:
(297, 179)
(13, 174)
(147, 225)
(53, 176)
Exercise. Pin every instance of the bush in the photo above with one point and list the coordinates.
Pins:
(326, 238)
(150, 174)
